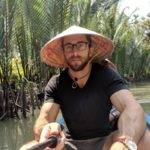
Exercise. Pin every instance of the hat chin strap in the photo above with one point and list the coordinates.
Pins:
(93, 57)
(75, 79)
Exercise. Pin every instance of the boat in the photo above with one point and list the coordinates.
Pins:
(148, 120)
(52, 141)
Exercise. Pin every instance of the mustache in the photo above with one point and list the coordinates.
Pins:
(75, 57)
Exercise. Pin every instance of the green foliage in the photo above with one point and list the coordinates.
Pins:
(16, 68)
(26, 25)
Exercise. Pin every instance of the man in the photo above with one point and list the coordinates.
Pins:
(85, 92)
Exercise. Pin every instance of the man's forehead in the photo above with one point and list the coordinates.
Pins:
(77, 37)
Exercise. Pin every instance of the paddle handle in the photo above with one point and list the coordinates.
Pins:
(51, 142)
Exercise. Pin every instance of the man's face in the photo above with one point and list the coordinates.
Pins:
(76, 51)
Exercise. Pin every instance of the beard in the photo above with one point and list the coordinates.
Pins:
(77, 67)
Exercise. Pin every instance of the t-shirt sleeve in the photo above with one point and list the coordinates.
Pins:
(113, 82)
(51, 90)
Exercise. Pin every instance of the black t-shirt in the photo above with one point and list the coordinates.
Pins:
(86, 110)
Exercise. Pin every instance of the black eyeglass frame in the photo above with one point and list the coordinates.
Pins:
(77, 45)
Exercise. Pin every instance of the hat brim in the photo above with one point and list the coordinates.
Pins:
(52, 53)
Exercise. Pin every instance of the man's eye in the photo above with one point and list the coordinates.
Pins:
(68, 46)
(80, 44)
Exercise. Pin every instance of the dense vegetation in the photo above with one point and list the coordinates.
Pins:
(26, 25)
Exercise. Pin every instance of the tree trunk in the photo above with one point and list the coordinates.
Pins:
(23, 98)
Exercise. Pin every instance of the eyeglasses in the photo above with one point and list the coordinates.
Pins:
(81, 46)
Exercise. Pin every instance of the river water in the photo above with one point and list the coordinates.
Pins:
(13, 132)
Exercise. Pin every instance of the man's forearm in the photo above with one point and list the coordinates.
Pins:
(39, 124)
(48, 113)
(132, 123)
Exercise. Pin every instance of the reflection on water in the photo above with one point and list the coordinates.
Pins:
(141, 92)
(14, 133)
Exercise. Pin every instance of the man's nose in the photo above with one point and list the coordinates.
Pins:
(74, 50)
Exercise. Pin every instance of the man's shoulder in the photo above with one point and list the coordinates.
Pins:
(100, 68)
(97, 66)
(58, 77)
(54, 77)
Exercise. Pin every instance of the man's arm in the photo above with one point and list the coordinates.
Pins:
(132, 122)
(48, 113)
(43, 128)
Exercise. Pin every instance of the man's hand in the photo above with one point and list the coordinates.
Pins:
(37, 131)
(53, 129)
(118, 146)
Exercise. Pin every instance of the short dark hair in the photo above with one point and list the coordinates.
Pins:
(88, 37)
